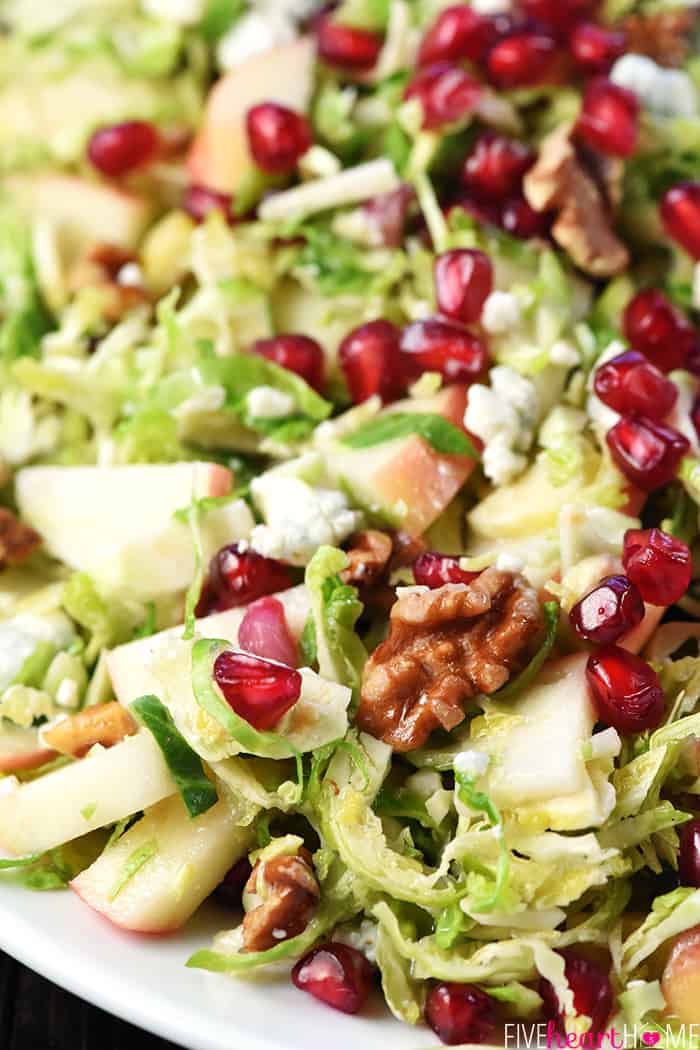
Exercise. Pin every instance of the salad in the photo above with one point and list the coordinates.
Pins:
(350, 466)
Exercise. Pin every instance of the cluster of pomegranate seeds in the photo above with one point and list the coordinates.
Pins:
(655, 327)
(495, 167)
(371, 360)
(199, 201)
(611, 610)
(631, 383)
(460, 1013)
(435, 570)
(441, 346)
(680, 214)
(626, 691)
(447, 93)
(646, 452)
(259, 691)
(595, 49)
(346, 46)
(592, 991)
(463, 283)
(278, 137)
(239, 575)
(523, 59)
(264, 631)
(689, 857)
(337, 974)
(297, 353)
(659, 564)
(521, 220)
(458, 34)
(230, 889)
(123, 148)
(609, 118)
(559, 15)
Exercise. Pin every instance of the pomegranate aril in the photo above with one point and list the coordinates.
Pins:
(239, 575)
(655, 327)
(646, 452)
(521, 220)
(346, 46)
(522, 60)
(230, 889)
(659, 564)
(484, 211)
(371, 361)
(680, 214)
(440, 346)
(278, 137)
(259, 691)
(460, 1013)
(337, 974)
(435, 570)
(199, 201)
(446, 92)
(463, 283)
(264, 631)
(122, 148)
(592, 991)
(612, 609)
(560, 15)
(387, 215)
(631, 383)
(458, 34)
(609, 118)
(298, 354)
(689, 856)
(495, 166)
(595, 49)
(626, 691)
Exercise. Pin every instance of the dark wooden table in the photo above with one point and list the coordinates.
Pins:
(37, 1015)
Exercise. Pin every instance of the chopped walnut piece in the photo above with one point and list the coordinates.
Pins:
(17, 540)
(373, 555)
(100, 268)
(662, 35)
(583, 227)
(289, 895)
(105, 724)
(445, 646)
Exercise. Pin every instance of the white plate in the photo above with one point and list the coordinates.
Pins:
(144, 980)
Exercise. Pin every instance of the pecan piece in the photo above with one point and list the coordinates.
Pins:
(289, 895)
(444, 647)
(105, 724)
(17, 540)
(662, 35)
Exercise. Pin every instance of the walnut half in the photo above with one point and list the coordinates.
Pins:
(17, 541)
(444, 647)
(288, 893)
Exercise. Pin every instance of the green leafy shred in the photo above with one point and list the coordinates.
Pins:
(440, 433)
(528, 675)
(133, 864)
(481, 802)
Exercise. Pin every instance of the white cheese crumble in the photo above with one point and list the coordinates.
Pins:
(184, 12)
(510, 563)
(606, 744)
(501, 312)
(491, 7)
(256, 32)
(130, 276)
(665, 92)
(363, 939)
(565, 354)
(471, 763)
(266, 402)
(504, 416)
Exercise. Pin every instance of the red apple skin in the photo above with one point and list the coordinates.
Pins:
(29, 760)
(680, 982)
(220, 480)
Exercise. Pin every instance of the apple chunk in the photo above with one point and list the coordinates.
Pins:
(98, 790)
(681, 978)
(21, 749)
(191, 858)
(117, 523)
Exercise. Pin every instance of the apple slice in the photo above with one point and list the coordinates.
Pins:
(191, 858)
(98, 790)
(117, 523)
(21, 749)
(681, 978)
(220, 157)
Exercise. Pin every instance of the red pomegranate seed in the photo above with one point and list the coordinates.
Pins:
(439, 346)
(297, 353)
(387, 214)
(239, 575)
(659, 564)
(122, 148)
(346, 46)
(259, 691)
(680, 214)
(631, 383)
(278, 137)
(230, 889)
(612, 609)
(609, 119)
(689, 857)
(337, 974)
(692, 362)
(495, 166)
(591, 988)
(522, 60)
(626, 691)
(435, 570)
(371, 362)
(199, 201)
(595, 49)
(654, 326)
(519, 219)
(463, 283)
(486, 212)
(458, 34)
(460, 1013)
(560, 15)
(648, 453)
(447, 93)
(264, 631)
